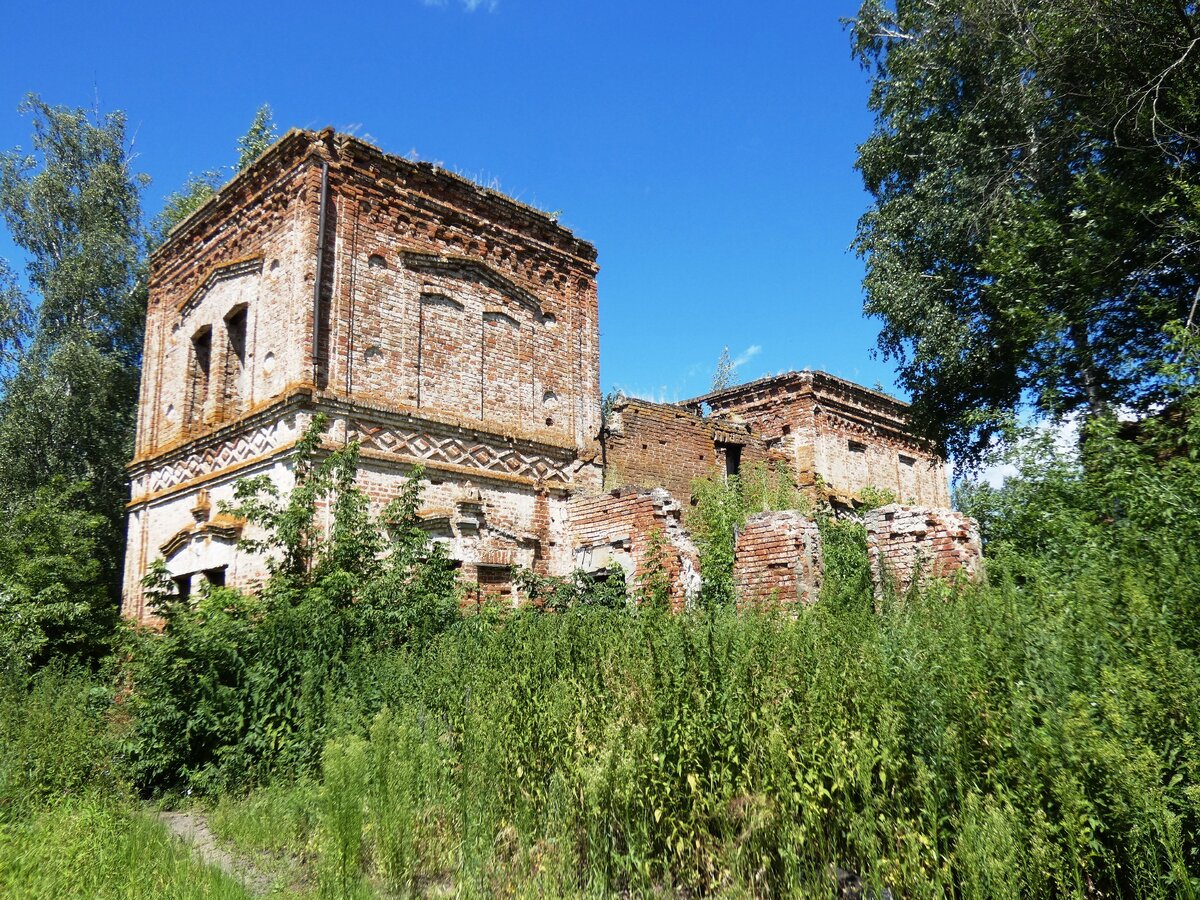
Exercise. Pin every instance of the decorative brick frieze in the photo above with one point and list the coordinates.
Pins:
(427, 445)
(199, 461)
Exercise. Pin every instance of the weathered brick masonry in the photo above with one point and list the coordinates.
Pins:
(663, 445)
(439, 323)
(617, 527)
(446, 326)
(839, 437)
(778, 559)
(914, 542)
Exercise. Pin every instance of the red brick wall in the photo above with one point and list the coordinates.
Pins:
(453, 299)
(254, 244)
(438, 295)
(909, 542)
(660, 445)
(616, 528)
(778, 559)
(840, 435)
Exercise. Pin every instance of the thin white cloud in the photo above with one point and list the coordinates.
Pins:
(468, 5)
(660, 394)
(746, 355)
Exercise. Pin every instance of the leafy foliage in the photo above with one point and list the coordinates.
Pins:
(69, 394)
(16, 320)
(1006, 736)
(261, 135)
(239, 686)
(53, 605)
(1033, 167)
(723, 374)
(180, 204)
(69, 370)
(53, 740)
(74, 205)
(197, 189)
(555, 594)
(723, 503)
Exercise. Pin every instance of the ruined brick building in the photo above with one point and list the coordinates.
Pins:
(445, 326)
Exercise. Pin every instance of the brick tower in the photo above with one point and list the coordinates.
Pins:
(439, 323)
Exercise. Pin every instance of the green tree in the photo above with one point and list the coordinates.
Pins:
(261, 135)
(1035, 223)
(16, 320)
(182, 203)
(70, 361)
(723, 374)
(73, 204)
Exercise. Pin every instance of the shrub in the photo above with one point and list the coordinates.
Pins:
(237, 687)
(54, 605)
(723, 504)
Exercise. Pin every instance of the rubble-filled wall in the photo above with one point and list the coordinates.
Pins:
(662, 445)
(617, 527)
(778, 559)
(915, 542)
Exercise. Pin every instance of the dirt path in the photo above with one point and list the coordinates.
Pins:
(192, 829)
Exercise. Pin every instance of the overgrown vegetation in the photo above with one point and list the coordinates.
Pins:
(723, 503)
(241, 686)
(1036, 735)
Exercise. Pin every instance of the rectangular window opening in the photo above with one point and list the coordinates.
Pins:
(495, 581)
(907, 460)
(857, 447)
(215, 577)
(235, 328)
(183, 587)
(235, 361)
(201, 366)
(733, 459)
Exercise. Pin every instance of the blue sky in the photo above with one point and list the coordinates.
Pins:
(706, 148)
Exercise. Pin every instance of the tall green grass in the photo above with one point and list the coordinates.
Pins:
(54, 740)
(69, 826)
(1028, 739)
(93, 848)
